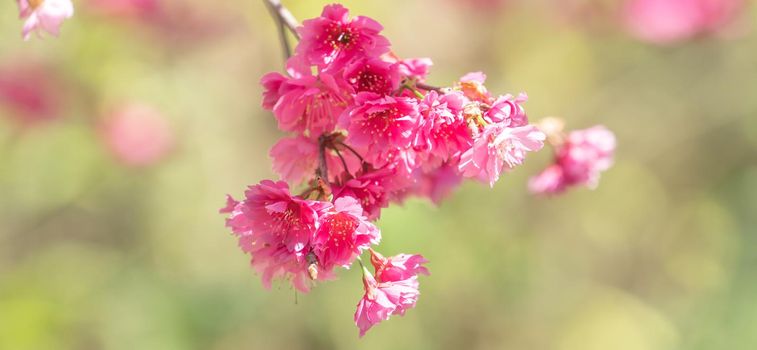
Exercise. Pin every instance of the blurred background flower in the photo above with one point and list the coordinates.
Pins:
(95, 254)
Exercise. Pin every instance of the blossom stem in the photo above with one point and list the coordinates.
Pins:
(323, 169)
(281, 28)
(353, 151)
(284, 16)
(344, 163)
(426, 87)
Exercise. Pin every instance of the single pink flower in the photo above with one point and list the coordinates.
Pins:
(47, 15)
(507, 110)
(295, 159)
(393, 291)
(499, 147)
(442, 133)
(307, 104)
(416, 68)
(137, 135)
(398, 267)
(370, 191)
(343, 234)
(380, 124)
(333, 39)
(276, 229)
(438, 183)
(376, 305)
(668, 21)
(372, 75)
(579, 160)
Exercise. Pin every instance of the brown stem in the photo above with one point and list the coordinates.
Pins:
(353, 151)
(323, 169)
(344, 163)
(284, 16)
(426, 87)
(281, 30)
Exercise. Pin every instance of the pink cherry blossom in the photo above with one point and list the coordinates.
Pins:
(668, 21)
(307, 104)
(333, 39)
(370, 190)
(137, 135)
(416, 68)
(393, 291)
(373, 75)
(47, 15)
(295, 159)
(398, 267)
(380, 124)
(578, 161)
(499, 147)
(442, 133)
(507, 110)
(276, 228)
(343, 234)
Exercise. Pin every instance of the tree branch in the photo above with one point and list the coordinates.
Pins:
(283, 16)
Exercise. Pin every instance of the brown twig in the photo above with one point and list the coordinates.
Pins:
(426, 87)
(281, 30)
(283, 16)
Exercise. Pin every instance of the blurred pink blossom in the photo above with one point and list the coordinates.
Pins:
(579, 160)
(137, 135)
(667, 21)
(47, 15)
(30, 93)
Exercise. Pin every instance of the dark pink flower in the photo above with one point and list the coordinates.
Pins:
(380, 124)
(343, 233)
(306, 104)
(372, 75)
(499, 147)
(137, 135)
(579, 160)
(370, 191)
(276, 228)
(442, 133)
(333, 39)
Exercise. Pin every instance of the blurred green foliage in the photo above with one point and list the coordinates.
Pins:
(663, 255)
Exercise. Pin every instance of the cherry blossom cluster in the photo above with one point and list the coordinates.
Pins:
(366, 131)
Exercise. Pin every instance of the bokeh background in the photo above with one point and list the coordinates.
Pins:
(105, 250)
